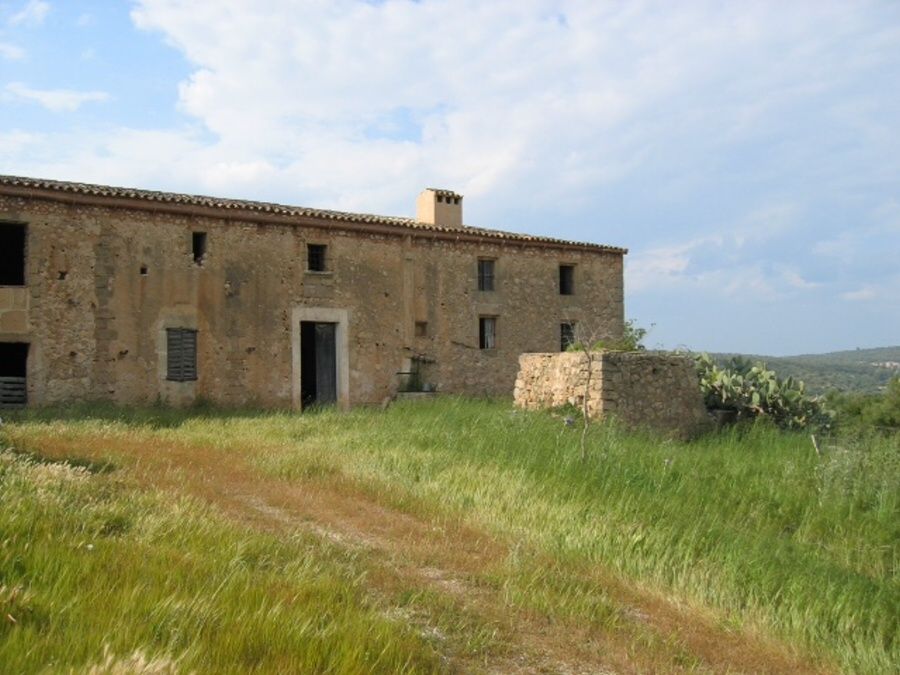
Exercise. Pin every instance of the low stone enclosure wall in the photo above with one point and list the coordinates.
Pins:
(652, 390)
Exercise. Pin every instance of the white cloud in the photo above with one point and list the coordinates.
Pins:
(55, 100)
(714, 265)
(718, 141)
(698, 267)
(551, 97)
(658, 267)
(554, 100)
(795, 280)
(32, 13)
(861, 294)
(718, 260)
(14, 143)
(765, 223)
(11, 52)
(883, 291)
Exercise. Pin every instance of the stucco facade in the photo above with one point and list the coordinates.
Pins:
(108, 270)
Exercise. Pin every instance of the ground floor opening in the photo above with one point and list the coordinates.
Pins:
(318, 363)
(13, 372)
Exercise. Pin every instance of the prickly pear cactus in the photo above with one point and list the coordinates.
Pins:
(752, 390)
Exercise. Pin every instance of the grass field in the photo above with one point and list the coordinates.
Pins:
(450, 536)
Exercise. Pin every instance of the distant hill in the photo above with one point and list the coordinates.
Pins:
(864, 370)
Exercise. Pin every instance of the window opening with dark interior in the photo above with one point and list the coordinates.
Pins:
(12, 254)
(485, 275)
(421, 329)
(413, 380)
(566, 279)
(181, 354)
(199, 247)
(487, 332)
(13, 370)
(566, 335)
(315, 257)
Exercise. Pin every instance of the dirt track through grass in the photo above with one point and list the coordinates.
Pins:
(450, 580)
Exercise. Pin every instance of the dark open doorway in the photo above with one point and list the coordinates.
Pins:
(13, 370)
(318, 364)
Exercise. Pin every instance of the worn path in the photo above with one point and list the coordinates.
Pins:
(409, 553)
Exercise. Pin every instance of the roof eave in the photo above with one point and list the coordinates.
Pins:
(193, 205)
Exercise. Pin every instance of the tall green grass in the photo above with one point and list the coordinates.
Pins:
(752, 522)
(96, 576)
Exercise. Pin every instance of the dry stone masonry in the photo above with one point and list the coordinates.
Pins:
(652, 390)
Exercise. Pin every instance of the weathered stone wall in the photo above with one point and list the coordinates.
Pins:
(653, 390)
(103, 283)
(13, 310)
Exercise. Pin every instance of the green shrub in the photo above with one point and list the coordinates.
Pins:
(752, 390)
(880, 411)
(632, 340)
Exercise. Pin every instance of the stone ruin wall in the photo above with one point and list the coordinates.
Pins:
(652, 390)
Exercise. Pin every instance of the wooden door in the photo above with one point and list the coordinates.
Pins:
(326, 364)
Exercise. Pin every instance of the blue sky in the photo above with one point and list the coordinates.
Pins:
(747, 153)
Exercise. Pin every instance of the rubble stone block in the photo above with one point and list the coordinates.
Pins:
(642, 389)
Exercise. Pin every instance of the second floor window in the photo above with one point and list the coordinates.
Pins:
(315, 257)
(12, 254)
(198, 247)
(485, 275)
(567, 279)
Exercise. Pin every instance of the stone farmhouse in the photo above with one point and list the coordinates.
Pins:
(136, 296)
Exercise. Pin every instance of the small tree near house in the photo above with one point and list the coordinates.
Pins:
(589, 339)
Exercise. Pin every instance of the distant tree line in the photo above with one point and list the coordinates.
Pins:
(880, 411)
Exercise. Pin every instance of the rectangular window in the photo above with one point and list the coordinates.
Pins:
(567, 279)
(485, 275)
(12, 254)
(487, 332)
(13, 369)
(566, 335)
(198, 245)
(181, 354)
(421, 329)
(315, 257)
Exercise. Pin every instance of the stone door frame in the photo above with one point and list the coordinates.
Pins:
(340, 317)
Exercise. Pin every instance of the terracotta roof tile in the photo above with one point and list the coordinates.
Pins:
(279, 209)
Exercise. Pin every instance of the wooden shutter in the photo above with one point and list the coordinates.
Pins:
(12, 392)
(181, 358)
(326, 363)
